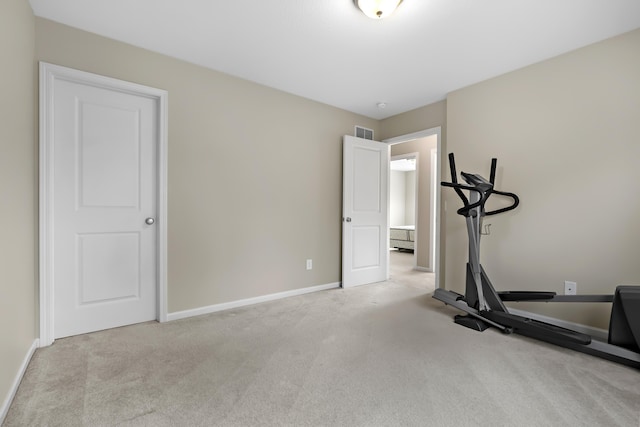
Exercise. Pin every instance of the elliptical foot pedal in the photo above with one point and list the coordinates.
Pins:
(526, 295)
(471, 322)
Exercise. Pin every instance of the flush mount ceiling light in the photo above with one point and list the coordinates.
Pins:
(377, 9)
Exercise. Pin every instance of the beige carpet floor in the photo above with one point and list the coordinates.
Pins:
(378, 355)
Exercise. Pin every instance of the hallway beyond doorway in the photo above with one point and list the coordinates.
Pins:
(401, 271)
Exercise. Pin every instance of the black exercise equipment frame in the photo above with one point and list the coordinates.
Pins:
(484, 306)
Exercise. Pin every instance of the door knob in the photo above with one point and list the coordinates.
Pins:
(348, 219)
(149, 221)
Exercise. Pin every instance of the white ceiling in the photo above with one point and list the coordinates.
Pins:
(328, 51)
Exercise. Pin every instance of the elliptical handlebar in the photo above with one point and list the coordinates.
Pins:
(494, 166)
(516, 202)
(464, 211)
(484, 190)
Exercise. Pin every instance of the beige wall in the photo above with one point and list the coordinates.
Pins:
(566, 133)
(427, 117)
(398, 197)
(255, 174)
(423, 147)
(17, 189)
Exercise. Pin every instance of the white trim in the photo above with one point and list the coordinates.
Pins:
(599, 334)
(411, 136)
(249, 301)
(433, 206)
(418, 268)
(422, 134)
(48, 74)
(16, 382)
(46, 214)
(162, 204)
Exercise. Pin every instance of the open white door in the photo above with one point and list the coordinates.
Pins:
(365, 242)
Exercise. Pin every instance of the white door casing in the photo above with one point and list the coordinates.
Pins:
(435, 220)
(103, 173)
(365, 227)
(433, 207)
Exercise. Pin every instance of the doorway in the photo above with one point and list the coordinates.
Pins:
(424, 147)
(403, 207)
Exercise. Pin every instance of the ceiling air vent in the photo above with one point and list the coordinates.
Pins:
(364, 133)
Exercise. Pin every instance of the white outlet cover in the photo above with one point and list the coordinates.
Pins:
(570, 288)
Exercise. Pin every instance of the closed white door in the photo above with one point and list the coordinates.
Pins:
(365, 241)
(104, 151)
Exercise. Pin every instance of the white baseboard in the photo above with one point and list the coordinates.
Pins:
(16, 382)
(597, 333)
(425, 269)
(249, 301)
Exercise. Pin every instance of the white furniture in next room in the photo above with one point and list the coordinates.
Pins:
(402, 236)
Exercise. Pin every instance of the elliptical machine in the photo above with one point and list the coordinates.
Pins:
(484, 306)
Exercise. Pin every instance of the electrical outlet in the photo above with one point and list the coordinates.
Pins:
(309, 264)
(570, 288)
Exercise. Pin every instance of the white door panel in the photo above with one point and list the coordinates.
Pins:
(109, 141)
(365, 237)
(104, 146)
(108, 267)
